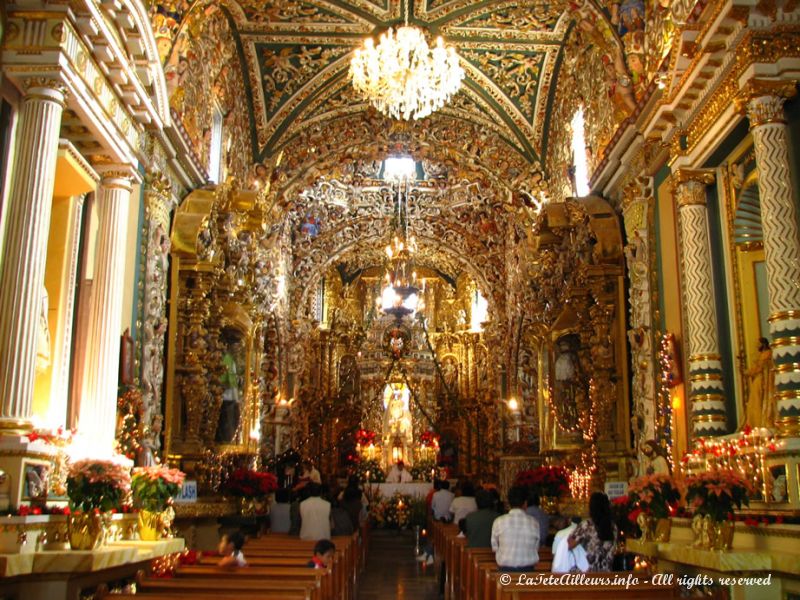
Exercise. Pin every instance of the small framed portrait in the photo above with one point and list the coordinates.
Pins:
(777, 485)
(35, 476)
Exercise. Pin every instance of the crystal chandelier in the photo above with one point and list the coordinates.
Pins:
(402, 76)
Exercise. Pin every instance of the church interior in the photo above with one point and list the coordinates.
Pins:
(252, 252)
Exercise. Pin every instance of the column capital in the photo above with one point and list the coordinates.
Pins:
(689, 186)
(762, 100)
(45, 88)
(117, 176)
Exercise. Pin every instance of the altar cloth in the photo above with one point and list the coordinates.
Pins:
(415, 489)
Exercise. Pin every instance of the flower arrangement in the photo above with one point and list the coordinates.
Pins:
(365, 437)
(153, 487)
(424, 470)
(247, 483)
(97, 485)
(656, 495)
(545, 481)
(716, 493)
(392, 512)
(55, 437)
(370, 471)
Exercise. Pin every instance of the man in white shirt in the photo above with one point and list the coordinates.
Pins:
(441, 501)
(515, 536)
(399, 474)
(315, 516)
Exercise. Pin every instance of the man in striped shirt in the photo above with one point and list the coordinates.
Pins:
(515, 536)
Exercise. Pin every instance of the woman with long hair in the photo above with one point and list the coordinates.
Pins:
(597, 534)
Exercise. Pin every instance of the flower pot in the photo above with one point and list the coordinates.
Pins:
(720, 534)
(154, 526)
(662, 530)
(247, 507)
(87, 531)
(712, 535)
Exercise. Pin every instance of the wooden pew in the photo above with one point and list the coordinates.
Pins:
(262, 574)
(230, 584)
(281, 594)
(640, 591)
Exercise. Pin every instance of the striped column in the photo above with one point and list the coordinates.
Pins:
(706, 391)
(25, 247)
(98, 409)
(781, 247)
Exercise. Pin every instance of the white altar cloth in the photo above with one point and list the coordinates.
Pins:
(417, 488)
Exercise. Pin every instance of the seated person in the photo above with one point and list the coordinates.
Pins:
(566, 559)
(534, 509)
(441, 501)
(597, 534)
(464, 503)
(478, 524)
(315, 515)
(280, 513)
(341, 524)
(515, 536)
(230, 547)
(323, 554)
(398, 474)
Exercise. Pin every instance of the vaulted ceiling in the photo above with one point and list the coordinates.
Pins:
(296, 54)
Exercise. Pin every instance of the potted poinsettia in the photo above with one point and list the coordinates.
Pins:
(95, 488)
(656, 498)
(714, 495)
(549, 482)
(251, 487)
(153, 489)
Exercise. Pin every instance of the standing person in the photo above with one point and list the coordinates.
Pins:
(463, 504)
(478, 524)
(566, 559)
(515, 536)
(535, 510)
(315, 515)
(399, 474)
(280, 520)
(597, 534)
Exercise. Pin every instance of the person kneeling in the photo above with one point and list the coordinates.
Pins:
(323, 554)
(230, 547)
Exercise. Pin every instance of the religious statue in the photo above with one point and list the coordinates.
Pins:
(566, 381)
(760, 408)
(230, 411)
(397, 421)
(450, 373)
(652, 461)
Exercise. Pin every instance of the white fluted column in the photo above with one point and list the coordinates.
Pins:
(781, 243)
(98, 409)
(25, 247)
(706, 391)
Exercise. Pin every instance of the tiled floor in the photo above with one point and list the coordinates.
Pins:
(392, 573)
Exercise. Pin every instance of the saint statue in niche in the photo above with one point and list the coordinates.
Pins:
(398, 429)
(232, 380)
(43, 335)
(566, 390)
(760, 408)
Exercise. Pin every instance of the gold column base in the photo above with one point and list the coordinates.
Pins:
(788, 427)
(15, 426)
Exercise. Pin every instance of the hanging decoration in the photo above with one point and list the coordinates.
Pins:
(402, 76)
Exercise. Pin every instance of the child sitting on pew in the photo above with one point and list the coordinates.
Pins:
(230, 547)
(323, 553)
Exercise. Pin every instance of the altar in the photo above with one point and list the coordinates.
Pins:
(415, 489)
